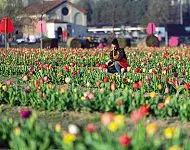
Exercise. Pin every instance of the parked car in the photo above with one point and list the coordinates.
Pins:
(20, 40)
(32, 39)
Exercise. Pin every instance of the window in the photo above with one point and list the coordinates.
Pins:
(65, 11)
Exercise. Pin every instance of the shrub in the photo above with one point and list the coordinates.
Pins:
(74, 43)
(123, 42)
(152, 41)
(50, 43)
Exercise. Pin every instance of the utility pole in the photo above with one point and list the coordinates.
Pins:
(41, 28)
(41, 36)
(181, 11)
(6, 25)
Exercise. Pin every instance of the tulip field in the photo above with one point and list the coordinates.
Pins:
(156, 85)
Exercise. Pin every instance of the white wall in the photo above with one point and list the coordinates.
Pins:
(57, 14)
(50, 30)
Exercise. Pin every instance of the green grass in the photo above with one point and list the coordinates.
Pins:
(53, 117)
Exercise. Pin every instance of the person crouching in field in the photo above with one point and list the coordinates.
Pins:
(118, 59)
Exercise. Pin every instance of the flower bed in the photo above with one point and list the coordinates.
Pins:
(76, 79)
(113, 133)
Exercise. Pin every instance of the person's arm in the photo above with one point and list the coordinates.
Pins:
(111, 55)
(121, 55)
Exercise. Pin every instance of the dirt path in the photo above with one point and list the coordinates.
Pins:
(82, 118)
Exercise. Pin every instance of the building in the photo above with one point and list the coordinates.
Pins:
(29, 2)
(61, 16)
(126, 31)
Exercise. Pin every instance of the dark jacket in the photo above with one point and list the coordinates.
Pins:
(121, 54)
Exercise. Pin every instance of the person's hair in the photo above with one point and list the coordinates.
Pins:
(115, 42)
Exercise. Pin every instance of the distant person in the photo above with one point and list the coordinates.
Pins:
(28, 39)
(118, 59)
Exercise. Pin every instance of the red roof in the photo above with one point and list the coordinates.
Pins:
(46, 6)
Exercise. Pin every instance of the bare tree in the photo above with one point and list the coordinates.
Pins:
(158, 12)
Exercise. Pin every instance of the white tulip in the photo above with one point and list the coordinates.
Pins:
(88, 84)
(67, 80)
(73, 129)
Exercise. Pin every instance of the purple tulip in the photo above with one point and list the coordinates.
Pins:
(25, 113)
(27, 91)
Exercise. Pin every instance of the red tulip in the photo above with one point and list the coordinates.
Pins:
(42, 95)
(137, 70)
(153, 72)
(8, 82)
(140, 83)
(113, 86)
(167, 80)
(41, 80)
(36, 83)
(186, 86)
(161, 105)
(167, 90)
(106, 118)
(30, 73)
(176, 83)
(167, 68)
(106, 79)
(74, 73)
(136, 116)
(98, 83)
(25, 78)
(175, 74)
(171, 66)
(97, 64)
(120, 102)
(72, 64)
(136, 85)
(144, 110)
(66, 68)
(147, 78)
(45, 78)
(104, 66)
(124, 140)
(91, 128)
(50, 67)
(159, 76)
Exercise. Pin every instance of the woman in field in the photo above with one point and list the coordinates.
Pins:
(118, 59)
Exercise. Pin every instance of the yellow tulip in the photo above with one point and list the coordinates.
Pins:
(164, 72)
(59, 74)
(69, 138)
(17, 131)
(152, 94)
(175, 148)
(159, 86)
(167, 100)
(119, 120)
(113, 127)
(50, 86)
(41, 71)
(151, 129)
(62, 90)
(4, 87)
(169, 132)
(58, 127)
(83, 98)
